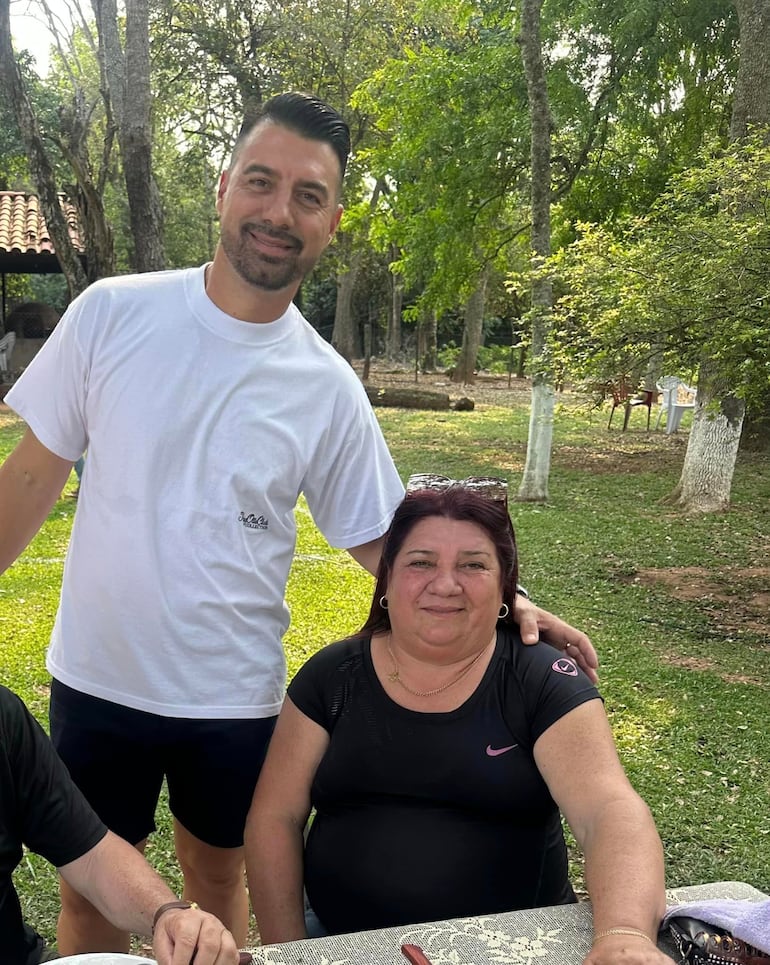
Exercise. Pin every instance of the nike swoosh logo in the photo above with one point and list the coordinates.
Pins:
(497, 751)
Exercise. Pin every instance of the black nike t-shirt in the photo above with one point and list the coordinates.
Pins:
(423, 816)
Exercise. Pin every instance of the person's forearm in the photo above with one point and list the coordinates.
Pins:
(624, 868)
(368, 554)
(274, 872)
(29, 487)
(118, 882)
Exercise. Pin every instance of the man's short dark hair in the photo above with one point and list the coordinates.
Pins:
(307, 116)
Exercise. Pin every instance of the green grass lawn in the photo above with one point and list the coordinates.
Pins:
(676, 606)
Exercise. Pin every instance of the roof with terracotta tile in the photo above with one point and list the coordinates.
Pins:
(26, 246)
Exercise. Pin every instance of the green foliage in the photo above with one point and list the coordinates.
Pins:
(187, 181)
(684, 674)
(661, 81)
(454, 172)
(687, 281)
(491, 358)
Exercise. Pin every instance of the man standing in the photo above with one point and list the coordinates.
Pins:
(207, 404)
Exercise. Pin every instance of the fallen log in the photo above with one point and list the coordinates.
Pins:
(407, 398)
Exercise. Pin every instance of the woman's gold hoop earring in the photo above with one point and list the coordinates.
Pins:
(504, 611)
(384, 602)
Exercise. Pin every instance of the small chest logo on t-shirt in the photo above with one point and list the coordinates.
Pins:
(250, 521)
(497, 751)
(566, 666)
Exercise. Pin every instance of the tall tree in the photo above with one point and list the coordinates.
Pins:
(712, 448)
(751, 108)
(534, 482)
(87, 154)
(473, 321)
(40, 164)
(453, 205)
(126, 76)
(687, 283)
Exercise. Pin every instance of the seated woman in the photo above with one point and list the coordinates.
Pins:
(438, 752)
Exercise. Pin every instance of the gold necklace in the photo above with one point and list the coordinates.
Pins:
(395, 678)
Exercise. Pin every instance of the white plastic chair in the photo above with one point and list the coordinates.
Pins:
(6, 348)
(677, 398)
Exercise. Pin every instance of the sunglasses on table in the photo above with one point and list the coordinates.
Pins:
(490, 487)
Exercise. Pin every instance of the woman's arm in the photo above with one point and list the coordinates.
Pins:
(276, 823)
(613, 826)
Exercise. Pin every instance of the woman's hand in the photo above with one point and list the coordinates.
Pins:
(625, 950)
(535, 624)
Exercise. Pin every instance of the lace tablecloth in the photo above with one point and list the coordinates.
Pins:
(540, 936)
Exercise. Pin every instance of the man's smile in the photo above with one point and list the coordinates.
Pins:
(276, 241)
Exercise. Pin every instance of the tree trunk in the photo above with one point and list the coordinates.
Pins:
(85, 193)
(428, 342)
(712, 448)
(408, 398)
(751, 100)
(752, 107)
(393, 338)
(344, 335)
(465, 370)
(534, 482)
(39, 163)
(537, 468)
(130, 103)
(136, 143)
(709, 462)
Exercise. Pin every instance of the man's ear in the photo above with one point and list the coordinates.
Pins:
(222, 187)
(335, 221)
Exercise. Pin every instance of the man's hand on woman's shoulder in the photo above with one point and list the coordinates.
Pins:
(536, 624)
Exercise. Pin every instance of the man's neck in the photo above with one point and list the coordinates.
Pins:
(237, 298)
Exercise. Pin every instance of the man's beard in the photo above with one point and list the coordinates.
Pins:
(261, 270)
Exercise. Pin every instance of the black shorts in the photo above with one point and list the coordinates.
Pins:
(118, 757)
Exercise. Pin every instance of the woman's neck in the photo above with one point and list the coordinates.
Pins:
(427, 678)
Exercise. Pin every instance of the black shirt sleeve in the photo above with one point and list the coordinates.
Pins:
(320, 686)
(47, 811)
(550, 684)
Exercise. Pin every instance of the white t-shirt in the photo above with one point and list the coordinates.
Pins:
(202, 431)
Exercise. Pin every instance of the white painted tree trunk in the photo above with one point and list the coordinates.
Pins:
(709, 463)
(534, 481)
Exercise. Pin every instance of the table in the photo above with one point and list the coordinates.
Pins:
(539, 936)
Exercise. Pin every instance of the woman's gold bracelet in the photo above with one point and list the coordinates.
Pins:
(622, 931)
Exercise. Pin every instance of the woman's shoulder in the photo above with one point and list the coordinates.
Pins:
(538, 659)
(319, 686)
(336, 656)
